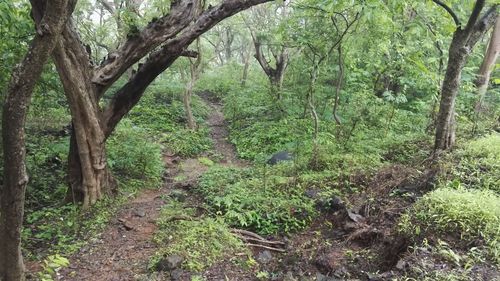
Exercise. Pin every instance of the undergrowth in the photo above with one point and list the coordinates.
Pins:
(264, 201)
(200, 241)
(460, 214)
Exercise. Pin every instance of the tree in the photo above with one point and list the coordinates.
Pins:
(490, 57)
(194, 73)
(464, 40)
(263, 17)
(21, 85)
(163, 40)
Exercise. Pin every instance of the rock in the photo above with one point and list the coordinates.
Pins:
(140, 213)
(354, 217)
(312, 193)
(126, 224)
(336, 204)
(176, 274)
(169, 263)
(373, 276)
(321, 277)
(178, 195)
(289, 277)
(265, 257)
(401, 265)
(341, 273)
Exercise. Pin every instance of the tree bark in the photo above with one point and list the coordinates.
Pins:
(338, 88)
(89, 176)
(461, 45)
(194, 73)
(15, 109)
(489, 60)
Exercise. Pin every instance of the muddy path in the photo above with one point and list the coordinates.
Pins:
(123, 250)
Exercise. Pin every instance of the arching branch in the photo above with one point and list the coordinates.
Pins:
(450, 11)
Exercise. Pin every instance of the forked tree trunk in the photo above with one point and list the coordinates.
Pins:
(164, 39)
(460, 48)
(88, 174)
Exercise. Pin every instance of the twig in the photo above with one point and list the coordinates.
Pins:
(249, 233)
(261, 241)
(266, 247)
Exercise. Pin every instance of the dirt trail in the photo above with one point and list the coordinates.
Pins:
(220, 134)
(123, 250)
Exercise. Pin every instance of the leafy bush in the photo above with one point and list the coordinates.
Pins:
(470, 214)
(133, 156)
(201, 242)
(46, 164)
(186, 142)
(479, 164)
(266, 202)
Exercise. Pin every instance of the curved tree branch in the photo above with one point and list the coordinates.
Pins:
(128, 96)
(450, 11)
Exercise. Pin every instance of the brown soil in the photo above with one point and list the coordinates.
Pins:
(355, 242)
(123, 250)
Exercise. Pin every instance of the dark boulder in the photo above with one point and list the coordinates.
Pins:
(279, 157)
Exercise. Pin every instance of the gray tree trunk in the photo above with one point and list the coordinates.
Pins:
(15, 108)
(461, 46)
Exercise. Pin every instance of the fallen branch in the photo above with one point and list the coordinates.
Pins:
(266, 247)
(249, 233)
(260, 241)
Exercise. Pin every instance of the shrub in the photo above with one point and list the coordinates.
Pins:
(479, 164)
(132, 155)
(201, 242)
(471, 214)
(264, 201)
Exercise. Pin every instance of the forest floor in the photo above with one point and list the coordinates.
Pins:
(354, 241)
(123, 250)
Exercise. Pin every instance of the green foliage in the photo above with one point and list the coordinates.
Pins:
(51, 265)
(468, 214)
(16, 30)
(134, 159)
(185, 142)
(200, 241)
(478, 164)
(266, 202)
(162, 115)
(132, 155)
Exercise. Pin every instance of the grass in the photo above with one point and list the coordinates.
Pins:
(201, 241)
(466, 215)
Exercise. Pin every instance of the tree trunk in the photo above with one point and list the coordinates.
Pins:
(338, 88)
(14, 113)
(489, 61)
(246, 65)
(445, 127)
(162, 41)
(88, 175)
(187, 105)
(461, 46)
(312, 107)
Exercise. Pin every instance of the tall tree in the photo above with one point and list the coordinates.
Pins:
(190, 79)
(162, 41)
(464, 40)
(271, 54)
(20, 89)
(490, 57)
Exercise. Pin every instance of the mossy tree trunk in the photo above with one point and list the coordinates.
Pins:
(162, 41)
(15, 108)
(461, 46)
